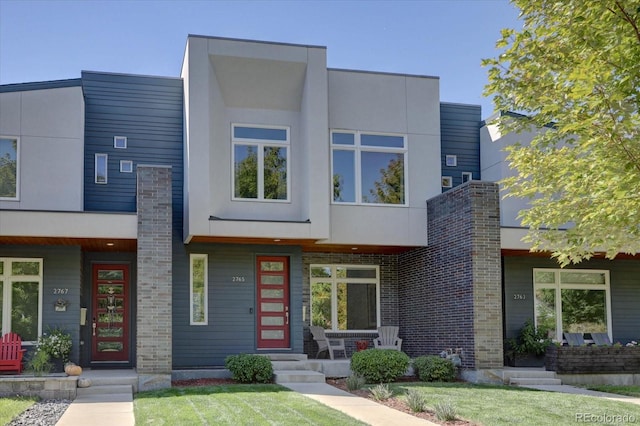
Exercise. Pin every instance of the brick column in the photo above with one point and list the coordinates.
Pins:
(153, 322)
(450, 292)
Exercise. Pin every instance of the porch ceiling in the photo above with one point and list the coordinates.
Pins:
(87, 244)
(308, 245)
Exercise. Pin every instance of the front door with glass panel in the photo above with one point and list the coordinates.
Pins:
(273, 302)
(110, 325)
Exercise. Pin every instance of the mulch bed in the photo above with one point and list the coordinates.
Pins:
(395, 403)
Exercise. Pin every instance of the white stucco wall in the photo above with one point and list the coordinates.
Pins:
(407, 105)
(50, 126)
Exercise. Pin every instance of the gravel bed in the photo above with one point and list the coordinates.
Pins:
(42, 413)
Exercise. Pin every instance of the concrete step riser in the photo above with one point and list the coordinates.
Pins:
(507, 375)
(286, 357)
(290, 365)
(105, 390)
(298, 377)
(114, 381)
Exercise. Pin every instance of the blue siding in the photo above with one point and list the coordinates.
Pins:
(40, 85)
(232, 316)
(149, 112)
(625, 293)
(460, 136)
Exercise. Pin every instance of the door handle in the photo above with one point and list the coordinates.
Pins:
(93, 326)
(286, 314)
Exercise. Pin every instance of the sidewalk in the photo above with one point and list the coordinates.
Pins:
(361, 409)
(581, 391)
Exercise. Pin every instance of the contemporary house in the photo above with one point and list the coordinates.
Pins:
(168, 222)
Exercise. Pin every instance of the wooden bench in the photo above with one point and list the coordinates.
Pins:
(11, 353)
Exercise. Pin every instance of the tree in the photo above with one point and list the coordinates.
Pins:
(389, 189)
(574, 71)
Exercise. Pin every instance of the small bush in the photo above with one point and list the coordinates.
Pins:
(247, 368)
(381, 392)
(416, 400)
(379, 365)
(39, 363)
(432, 368)
(445, 411)
(355, 381)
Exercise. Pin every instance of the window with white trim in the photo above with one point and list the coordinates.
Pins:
(9, 168)
(120, 142)
(572, 301)
(368, 168)
(126, 166)
(345, 297)
(101, 163)
(260, 162)
(198, 289)
(21, 297)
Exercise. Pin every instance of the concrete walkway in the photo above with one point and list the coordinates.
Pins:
(99, 410)
(581, 391)
(362, 409)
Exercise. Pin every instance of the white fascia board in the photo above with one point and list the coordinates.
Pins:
(68, 224)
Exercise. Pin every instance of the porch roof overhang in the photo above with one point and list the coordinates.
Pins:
(95, 231)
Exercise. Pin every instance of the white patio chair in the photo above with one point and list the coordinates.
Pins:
(388, 338)
(326, 343)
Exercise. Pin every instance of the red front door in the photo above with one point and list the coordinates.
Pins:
(110, 325)
(273, 302)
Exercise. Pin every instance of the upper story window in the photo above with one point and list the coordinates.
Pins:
(369, 168)
(260, 162)
(120, 142)
(9, 168)
(21, 297)
(101, 161)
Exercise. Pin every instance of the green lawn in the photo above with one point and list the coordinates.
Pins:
(233, 405)
(622, 390)
(507, 405)
(12, 407)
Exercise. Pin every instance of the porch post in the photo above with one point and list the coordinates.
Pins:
(153, 319)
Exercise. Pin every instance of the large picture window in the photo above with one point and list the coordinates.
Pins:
(9, 171)
(260, 163)
(21, 297)
(345, 297)
(572, 301)
(198, 289)
(369, 168)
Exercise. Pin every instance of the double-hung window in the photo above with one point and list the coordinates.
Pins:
(21, 297)
(572, 301)
(345, 297)
(260, 163)
(9, 168)
(369, 168)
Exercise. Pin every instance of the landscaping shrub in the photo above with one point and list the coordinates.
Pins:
(379, 365)
(247, 368)
(381, 392)
(445, 411)
(416, 400)
(355, 381)
(433, 368)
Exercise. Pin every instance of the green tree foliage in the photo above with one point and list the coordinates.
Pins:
(246, 179)
(575, 64)
(275, 173)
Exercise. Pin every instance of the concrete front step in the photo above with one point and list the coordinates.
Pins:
(541, 374)
(527, 381)
(286, 357)
(298, 376)
(105, 390)
(291, 365)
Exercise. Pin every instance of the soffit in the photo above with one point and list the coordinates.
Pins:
(259, 83)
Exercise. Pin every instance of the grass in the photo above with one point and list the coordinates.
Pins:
(506, 405)
(621, 390)
(12, 407)
(233, 405)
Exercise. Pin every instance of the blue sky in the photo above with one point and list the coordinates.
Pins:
(50, 40)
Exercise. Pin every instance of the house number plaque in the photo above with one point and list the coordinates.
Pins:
(60, 290)
(519, 296)
(238, 279)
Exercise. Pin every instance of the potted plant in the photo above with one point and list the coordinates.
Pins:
(56, 343)
(528, 348)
